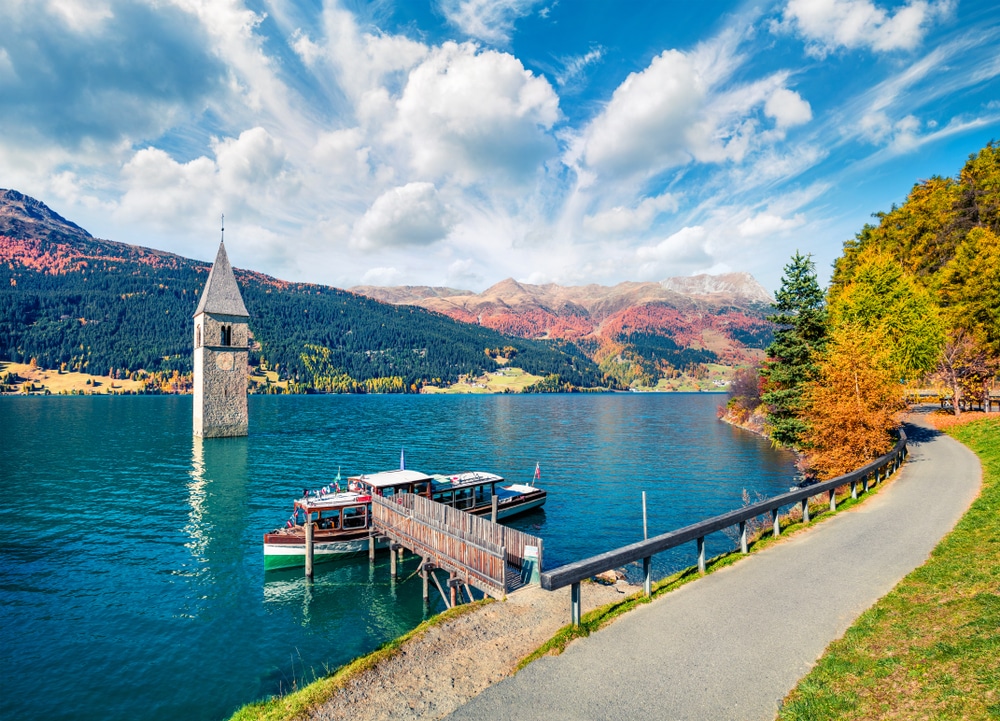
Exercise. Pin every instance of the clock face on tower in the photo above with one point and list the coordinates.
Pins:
(224, 361)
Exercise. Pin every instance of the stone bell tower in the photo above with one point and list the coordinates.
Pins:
(221, 340)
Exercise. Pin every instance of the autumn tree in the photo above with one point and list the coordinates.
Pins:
(885, 304)
(850, 407)
(801, 321)
(966, 367)
(969, 289)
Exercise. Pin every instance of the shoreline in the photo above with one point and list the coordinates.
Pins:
(357, 696)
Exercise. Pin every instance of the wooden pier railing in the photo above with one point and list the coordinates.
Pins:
(573, 573)
(478, 551)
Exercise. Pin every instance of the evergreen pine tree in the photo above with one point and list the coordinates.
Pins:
(801, 321)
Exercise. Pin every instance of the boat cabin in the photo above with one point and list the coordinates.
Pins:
(337, 511)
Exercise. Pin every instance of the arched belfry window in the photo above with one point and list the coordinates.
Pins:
(226, 335)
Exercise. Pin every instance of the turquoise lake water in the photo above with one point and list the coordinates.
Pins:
(132, 583)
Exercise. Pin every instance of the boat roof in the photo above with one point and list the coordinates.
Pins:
(329, 500)
(384, 479)
(466, 478)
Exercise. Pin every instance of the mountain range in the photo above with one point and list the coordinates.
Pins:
(67, 297)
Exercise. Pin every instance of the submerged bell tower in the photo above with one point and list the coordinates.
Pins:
(221, 345)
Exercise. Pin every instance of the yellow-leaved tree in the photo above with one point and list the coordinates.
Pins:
(852, 406)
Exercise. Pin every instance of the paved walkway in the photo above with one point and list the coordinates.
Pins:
(732, 644)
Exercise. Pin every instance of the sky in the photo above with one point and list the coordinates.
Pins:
(461, 142)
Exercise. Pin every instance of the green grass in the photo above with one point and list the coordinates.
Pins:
(299, 703)
(930, 649)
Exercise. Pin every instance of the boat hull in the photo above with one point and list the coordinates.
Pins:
(293, 555)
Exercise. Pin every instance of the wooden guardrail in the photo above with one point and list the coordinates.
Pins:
(572, 574)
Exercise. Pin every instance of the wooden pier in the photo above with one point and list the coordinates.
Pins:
(474, 551)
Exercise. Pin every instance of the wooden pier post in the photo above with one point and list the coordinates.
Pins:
(701, 555)
(423, 577)
(451, 589)
(371, 548)
(309, 547)
(574, 603)
(493, 511)
(392, 560)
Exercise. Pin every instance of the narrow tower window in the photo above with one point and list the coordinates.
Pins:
(197, 336)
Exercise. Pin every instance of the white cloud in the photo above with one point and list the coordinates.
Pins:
(831, 24)
(81, 16)
(462, 272)
(488, 20)
(573, 67)
(405, 216)
(683, 107)
(343, 155)
(766, 224)
(470, 114)
(651, 118)
(248, 173)
(677, 254)
(624, 220)
(787, 108)
(382, 276)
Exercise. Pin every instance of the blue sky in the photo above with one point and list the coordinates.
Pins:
(460, 142)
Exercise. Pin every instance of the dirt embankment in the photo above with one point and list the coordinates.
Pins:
(440, 670)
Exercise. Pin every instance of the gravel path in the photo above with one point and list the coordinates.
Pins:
(448, 665)
(731, 645)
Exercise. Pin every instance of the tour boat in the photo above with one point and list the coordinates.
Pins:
(342, 518)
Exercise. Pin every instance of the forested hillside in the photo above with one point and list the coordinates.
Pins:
(915, 302)
(97, 305)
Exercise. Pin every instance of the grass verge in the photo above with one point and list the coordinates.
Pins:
(299, 703)
(930, 649)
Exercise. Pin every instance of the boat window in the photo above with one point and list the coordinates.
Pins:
(483, 495)
(445, 497)
(388, 492)
(330, 520)
(355, 517)
(464, 498)
(419, 489)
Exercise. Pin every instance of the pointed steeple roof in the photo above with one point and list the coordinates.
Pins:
(222, 294)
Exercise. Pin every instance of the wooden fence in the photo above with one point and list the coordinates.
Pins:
(476, 549)
(573, 573)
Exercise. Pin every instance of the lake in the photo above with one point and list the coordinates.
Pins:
(132, 583)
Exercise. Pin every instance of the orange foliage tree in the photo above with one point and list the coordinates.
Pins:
(851, 407)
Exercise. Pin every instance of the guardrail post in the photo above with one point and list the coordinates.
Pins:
(647, 575)
(776, 525)
(805, 510)
(833, 499)
(701, 555)
(864, 488)
(743, 536)
(854, 490)
(574, 603)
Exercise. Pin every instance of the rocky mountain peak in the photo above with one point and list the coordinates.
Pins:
(22, 216)
(735, 286)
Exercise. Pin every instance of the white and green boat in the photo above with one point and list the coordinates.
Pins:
(342, 518)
